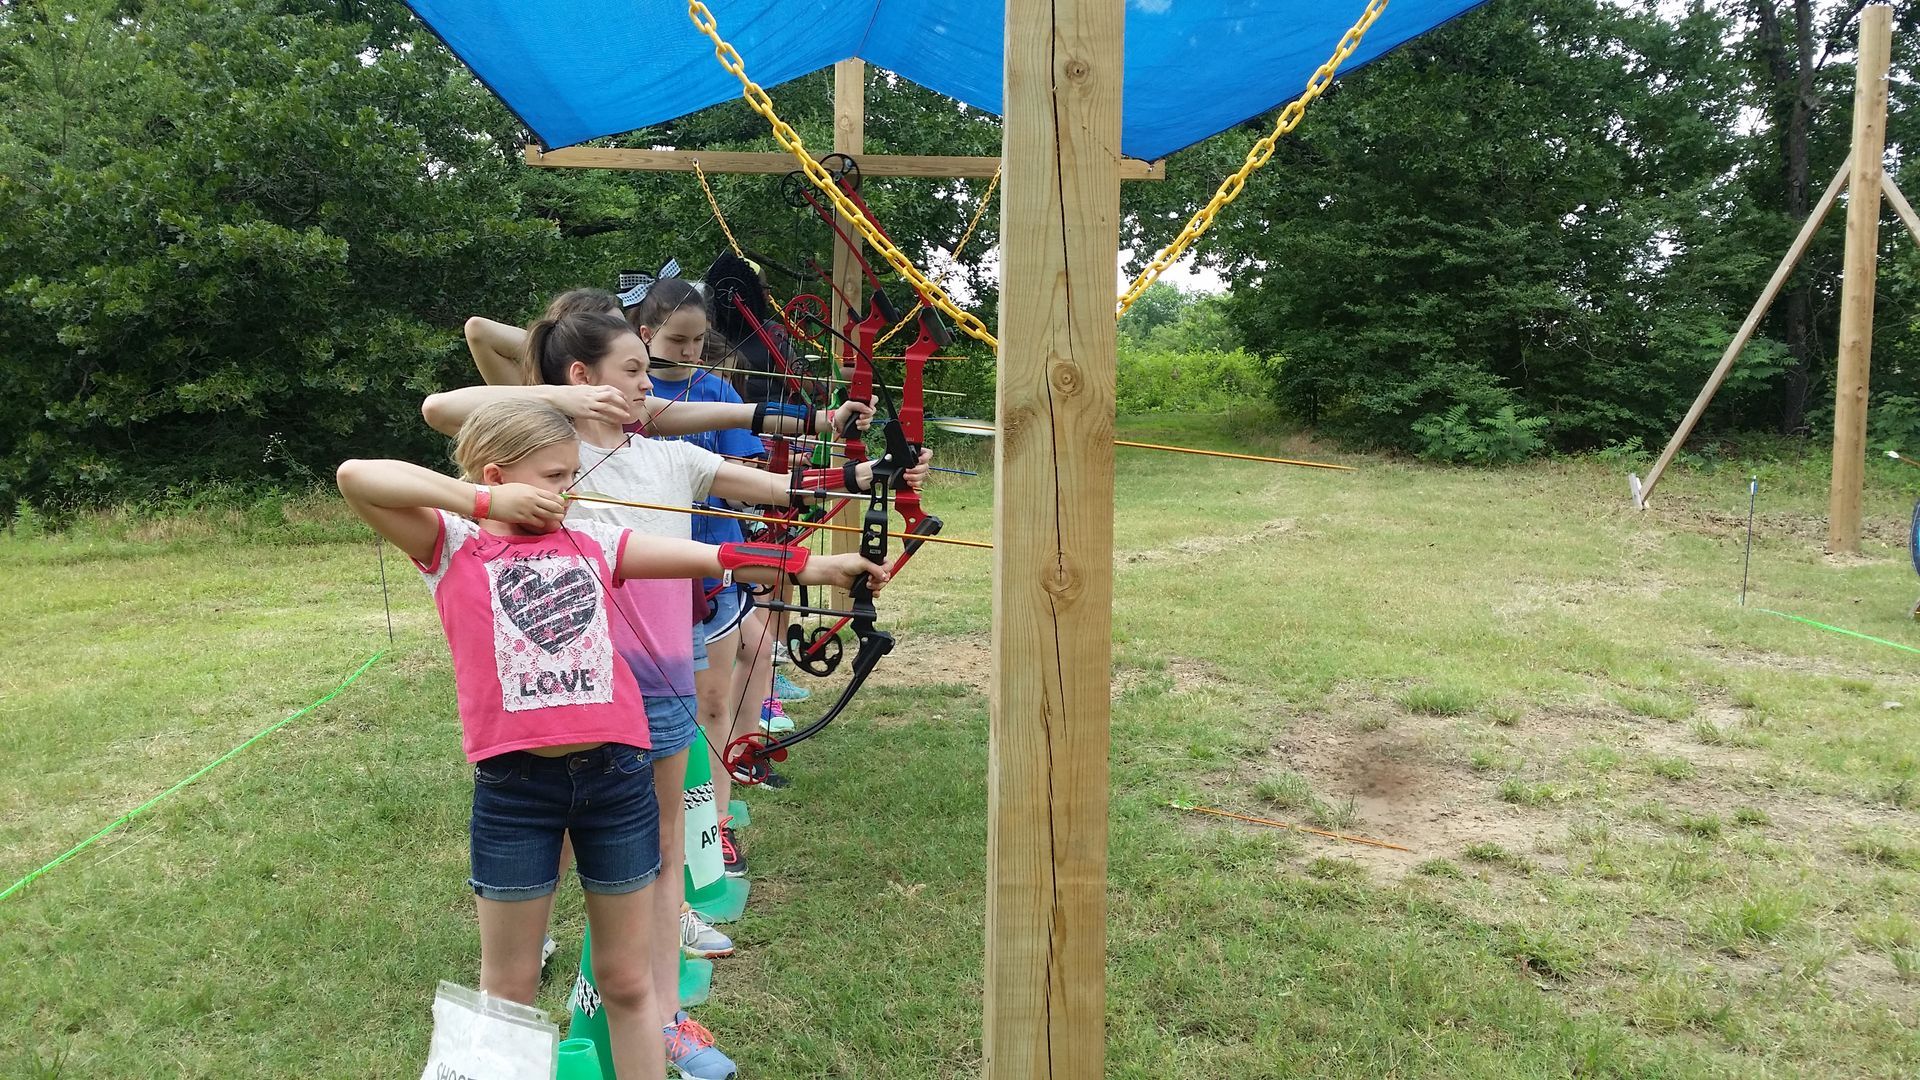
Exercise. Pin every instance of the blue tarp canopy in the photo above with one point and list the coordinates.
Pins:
(575, 70)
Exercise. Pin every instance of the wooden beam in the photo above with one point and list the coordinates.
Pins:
(849, 137)
(1857, 280)
(1642, 489)
(777, 163)
(1047, 770)
(1900, 205)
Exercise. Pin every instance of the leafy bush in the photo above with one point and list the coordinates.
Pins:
(1500, 439)
(1894, 422)
(1187, 382)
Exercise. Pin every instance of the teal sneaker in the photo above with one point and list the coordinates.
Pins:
(787, 690)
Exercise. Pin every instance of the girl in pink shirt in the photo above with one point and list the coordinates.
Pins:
(550, 717)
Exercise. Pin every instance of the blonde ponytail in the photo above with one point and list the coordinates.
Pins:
(506, 431)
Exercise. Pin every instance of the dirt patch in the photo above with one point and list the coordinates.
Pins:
(1739, 656)
(1402, 788)
(939, 661)
(1406, 780)
(968, 661)
(1200, 547)
(1682, 512)
(1531, 597)
(1189, 676)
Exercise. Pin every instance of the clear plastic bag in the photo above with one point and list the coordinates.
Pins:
(477, 1036)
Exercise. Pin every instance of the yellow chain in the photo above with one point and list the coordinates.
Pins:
(789, 141)
(1262, 151)
(979, 212)
(717, 215)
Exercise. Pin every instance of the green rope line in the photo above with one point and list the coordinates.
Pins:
(1835, 629)
(143, 807)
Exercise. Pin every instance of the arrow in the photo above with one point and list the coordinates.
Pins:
(576, 497)
(760, 461)
(668, 368)
(976, 427)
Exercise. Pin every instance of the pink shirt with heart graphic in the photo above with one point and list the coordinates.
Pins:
(533, 648)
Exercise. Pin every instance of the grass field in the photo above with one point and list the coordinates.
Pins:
(1654, 834)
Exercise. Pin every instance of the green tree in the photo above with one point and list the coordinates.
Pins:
(238, 240)
(235, 242)
(1521, 211)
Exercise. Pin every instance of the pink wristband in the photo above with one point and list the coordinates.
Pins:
(482, 501)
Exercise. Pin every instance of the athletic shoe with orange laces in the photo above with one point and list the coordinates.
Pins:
(733, 860)
(691, 1051)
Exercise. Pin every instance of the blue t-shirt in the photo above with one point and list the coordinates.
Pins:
(733, 442)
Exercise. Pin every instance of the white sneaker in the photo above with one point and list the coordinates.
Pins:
(547, 948)
(699, 939)
(780, 653)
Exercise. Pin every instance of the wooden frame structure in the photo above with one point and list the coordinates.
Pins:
(1864, 177)
(777, 163)
(849, 137)
(1061, 167)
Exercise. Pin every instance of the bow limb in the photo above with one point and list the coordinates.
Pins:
(796, 386)
(749, 756)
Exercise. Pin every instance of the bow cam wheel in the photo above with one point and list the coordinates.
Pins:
(844, 170)
(816, 653)
(795, 190)
(748, 760)
(807, 310)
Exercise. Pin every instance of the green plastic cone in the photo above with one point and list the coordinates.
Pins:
(580, 1060)
(717, 897)
(589, 1024)
(696, 981)
(589, 1019)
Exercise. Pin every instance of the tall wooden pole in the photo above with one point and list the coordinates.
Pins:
(849, 137)
(1053, 537)
(1856, 287)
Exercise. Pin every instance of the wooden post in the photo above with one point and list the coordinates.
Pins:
(1856, 286)
(849, 137)
(1053, 544)
(1644, 488)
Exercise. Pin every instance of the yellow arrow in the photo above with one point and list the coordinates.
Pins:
(975, 427)
(903, 538)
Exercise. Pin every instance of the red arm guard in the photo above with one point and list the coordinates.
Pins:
(784, 558)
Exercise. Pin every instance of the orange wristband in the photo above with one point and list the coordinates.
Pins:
(482, 501)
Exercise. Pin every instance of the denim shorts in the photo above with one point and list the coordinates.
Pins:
(673, 722)
(730, 606)
(523, 804)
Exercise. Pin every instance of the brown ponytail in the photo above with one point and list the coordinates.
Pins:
(555, 344)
